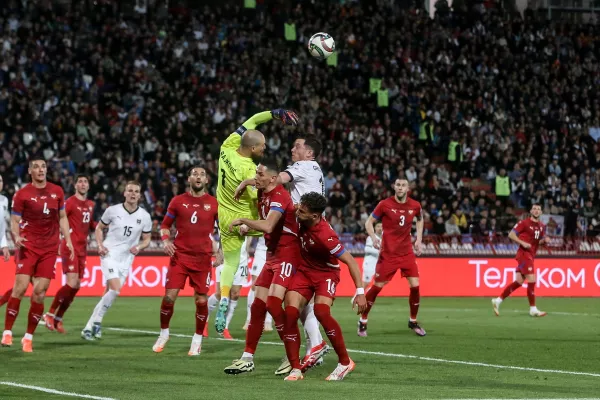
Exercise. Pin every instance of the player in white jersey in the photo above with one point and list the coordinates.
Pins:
(239, 279)
(4, 222)
(371, 257)
(260, 257)
(126, 222)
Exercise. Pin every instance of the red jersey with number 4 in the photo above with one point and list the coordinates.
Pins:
(39, 212)
(285, 232)
(320, 247)
(80, 214)
(530, 232)
(396, 220)
(195, 219)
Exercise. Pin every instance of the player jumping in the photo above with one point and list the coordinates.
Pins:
(528, 233)
(396, 214)
(38, 213)
(258, 262)
(126, 222)
(80, 212)
(195, 214)
(318, 275)
(239, 155)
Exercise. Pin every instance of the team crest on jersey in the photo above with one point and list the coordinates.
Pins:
(139, 221)
(410, 211)
(207, 207)
(53, 195)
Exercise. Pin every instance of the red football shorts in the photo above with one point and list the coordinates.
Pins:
(196, 268)
(525, 265)
(75, 266)
(387, 267)
(309, 282)
(280, 267)
(36, 265)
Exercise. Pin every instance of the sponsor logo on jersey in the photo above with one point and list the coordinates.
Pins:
(394, 210)
(34, 199)
(186, 205)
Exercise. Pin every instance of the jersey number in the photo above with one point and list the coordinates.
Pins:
(86, 217)
(286, 270)
(46, 210)
(127, 230)
(402, 219)
(330, 286)
(194, 218)
(537, 235)
(222, 177)
(244, 269)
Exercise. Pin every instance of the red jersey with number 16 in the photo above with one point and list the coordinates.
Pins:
(285, 232)
(195, 219)
(80, 214)
(396, 220)
(39, 212)
(530, 232)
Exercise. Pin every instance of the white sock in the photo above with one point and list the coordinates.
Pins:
(269, 319)
(311, 327)
(105, 303)
(498, 300)
(88, 326)
(247, 355)
(197, 338)
(363, 320)
(212, 303)
(251, 294)
(533, 308)
(28, 336)
(230, 311)
(7, 332)
(164, 332)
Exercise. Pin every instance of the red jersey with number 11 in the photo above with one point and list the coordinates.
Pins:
(530, 232)
(396, 220)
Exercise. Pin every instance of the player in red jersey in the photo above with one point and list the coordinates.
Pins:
(80, 213)
(195, 213)
(528, 233)
(38, 213)
(278, 222)
(318, 275)
(396, 214)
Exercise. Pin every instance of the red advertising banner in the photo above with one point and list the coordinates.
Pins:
(466, 276)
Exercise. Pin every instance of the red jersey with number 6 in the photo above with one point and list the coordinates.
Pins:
(285, 232)
(195, 219)
(320, 247)
(80, 214)
(396, 220)
(39, 211)
(531, 232)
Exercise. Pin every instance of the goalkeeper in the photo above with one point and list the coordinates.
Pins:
(239, 156)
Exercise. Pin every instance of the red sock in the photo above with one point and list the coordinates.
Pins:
(414, 298)
(258, 313)
(66, 303)
(292, 336)
(531, 293)
(166, 312)
(274, 308)
(5, 297)
(333, 331)
(36, 310)
(371, 296)
(62, 294)
(509, 289)
(201, 317)
(12, 310)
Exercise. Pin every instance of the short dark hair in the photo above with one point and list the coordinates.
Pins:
(315, 202)
(537, 204)
(189, 172)
(33, 159)
(82, 176)
(270, 164)
(312, 142)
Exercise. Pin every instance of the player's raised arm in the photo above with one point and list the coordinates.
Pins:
(264, 225)
(242, 186)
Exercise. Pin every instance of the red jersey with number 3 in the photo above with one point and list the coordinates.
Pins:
(320, 247)
(80, 214)
(195, 219)
(530, 232)
(39, 211)
(285, 232)
(396, 220)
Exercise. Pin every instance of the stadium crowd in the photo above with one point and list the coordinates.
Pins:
(486, 112)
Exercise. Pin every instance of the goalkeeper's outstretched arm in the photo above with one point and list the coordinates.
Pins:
(285, 116)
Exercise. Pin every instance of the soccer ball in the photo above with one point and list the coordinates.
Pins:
(321, 45)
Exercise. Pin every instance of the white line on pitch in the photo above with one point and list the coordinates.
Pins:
(52, 391)
(437, 309)
(378, 353)
(570, 398)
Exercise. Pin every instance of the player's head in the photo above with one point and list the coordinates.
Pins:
(38, 170)
(536, 211)
(401, 188)
(82, 184)
(378, 228)
(197, 178)
(253, 142)
(133, 191)
(1, 183)
(266, 173)
(306, 148)
(311, 207)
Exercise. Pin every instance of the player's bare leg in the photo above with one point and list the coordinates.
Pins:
(213, 302)
(5, 297)
(414, 299)
(93, 328)
(61, 303)
(507, 292)
(371, 296)
(533, 310)
(294, 302)
(234, 296)
(166, 312)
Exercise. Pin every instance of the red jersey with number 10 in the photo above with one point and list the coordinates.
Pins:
(80, 214)
(530, 232)
(39, 211)
(195, 219)
(285, 232)
(396, 220)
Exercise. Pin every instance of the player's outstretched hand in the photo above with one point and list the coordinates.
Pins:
(102, 251)
(6, 253)
(360, 303)
(418, 248)
(526, 245)
(234, 223)
(71, 251)
(239, 191)
(286, 116)
(134, 250)
(219, 259)
(244, 230)
(547, 239)
(376, 242)
(169, 248)
(20, 241)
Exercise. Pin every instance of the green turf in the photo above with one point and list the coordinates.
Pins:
(123, 366)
